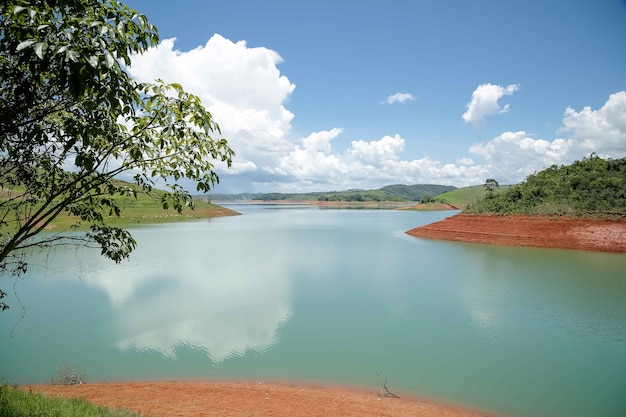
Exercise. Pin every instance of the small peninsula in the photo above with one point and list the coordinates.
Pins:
(580, 206)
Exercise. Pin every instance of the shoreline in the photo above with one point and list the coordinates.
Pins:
(589, 234)
(195, 398)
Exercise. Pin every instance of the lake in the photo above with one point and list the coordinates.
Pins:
(337, 296)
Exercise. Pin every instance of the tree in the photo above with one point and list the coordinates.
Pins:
(72, 121)
(491, 185)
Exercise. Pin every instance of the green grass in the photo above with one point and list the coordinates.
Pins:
(144, 209)
(17, 403)
(149, 211)
(462, 197)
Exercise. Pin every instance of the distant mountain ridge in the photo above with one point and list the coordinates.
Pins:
(396, 192)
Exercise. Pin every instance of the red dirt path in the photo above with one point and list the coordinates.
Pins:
(229, 399)
(545, 232)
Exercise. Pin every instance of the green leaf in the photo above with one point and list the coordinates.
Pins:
(40, 49)
(93, 61)
(71, 55)
(24, 44)
(109, 60)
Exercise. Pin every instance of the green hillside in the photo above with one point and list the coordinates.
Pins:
(395, 193)
(593, 186)
(417, 192)
(464, 196)
(347, 196)
(146, 208)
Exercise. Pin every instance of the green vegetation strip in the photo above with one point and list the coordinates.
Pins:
(593, 187)
(17, 403)
(390, 193)
(135, 215)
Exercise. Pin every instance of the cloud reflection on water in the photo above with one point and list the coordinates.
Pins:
(177, 300)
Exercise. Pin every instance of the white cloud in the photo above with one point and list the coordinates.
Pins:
(511, 156)
(399, 98)
(246, 93)
(465, 161)
(365, 164)
(242, 87)
(602, 131)
(485, 102)
(381, 151)
(244, 90)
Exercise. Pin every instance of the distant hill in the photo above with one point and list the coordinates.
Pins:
(464, 196)
(229, 197)
(335, 196)
(417, 192)
(593, 186)
(396, 193)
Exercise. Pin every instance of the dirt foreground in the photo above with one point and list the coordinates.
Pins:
(229, 399)
(545, 232)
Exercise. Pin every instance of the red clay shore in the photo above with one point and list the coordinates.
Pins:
(540, 231)
(230, 399)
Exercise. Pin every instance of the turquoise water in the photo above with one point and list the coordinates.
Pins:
(300, 293)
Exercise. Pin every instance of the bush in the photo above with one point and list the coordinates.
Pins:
(593, 186)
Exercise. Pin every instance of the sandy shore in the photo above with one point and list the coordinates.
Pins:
(545, 232)
(227, 399)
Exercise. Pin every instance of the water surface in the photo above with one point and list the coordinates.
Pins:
(335, 296)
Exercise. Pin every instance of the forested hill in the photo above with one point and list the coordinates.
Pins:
(394, 193)
(593, 186)
(389, 193)
(417, 192)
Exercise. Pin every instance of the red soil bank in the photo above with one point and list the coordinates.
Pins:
(545, 232)
(227, 399)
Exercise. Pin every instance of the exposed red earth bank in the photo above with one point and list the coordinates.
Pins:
(541, 231)
(230, 399)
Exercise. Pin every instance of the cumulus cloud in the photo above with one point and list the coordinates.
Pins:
(511, 156)
(247, 94)
(365, 164)
(399, 98)
(485, 102)
(601, 131)
(241, 86)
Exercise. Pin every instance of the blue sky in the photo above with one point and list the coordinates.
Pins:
(331, 95)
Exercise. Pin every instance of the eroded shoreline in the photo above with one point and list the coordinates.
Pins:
(540, 231)
(237, 398)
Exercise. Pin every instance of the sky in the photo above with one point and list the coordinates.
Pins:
(330, 95)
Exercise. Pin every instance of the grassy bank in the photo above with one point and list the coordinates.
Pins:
(150, 214)
(145, 208)
(17, 403)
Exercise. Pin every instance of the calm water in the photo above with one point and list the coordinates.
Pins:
(334, 296)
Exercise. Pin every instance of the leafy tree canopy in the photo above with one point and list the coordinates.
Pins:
(71, 120)
(592, 186)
